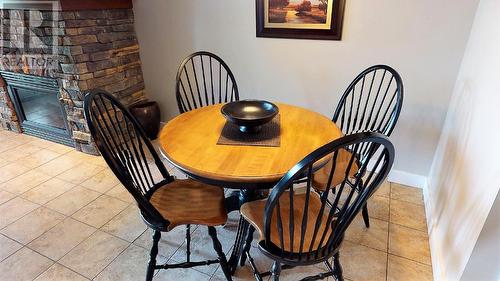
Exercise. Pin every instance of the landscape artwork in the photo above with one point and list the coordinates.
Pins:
(300, 19)
(308, 14)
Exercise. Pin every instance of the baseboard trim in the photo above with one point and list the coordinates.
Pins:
(410, 179)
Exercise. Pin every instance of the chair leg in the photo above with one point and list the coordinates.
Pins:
(366, 218)
(152, 255)
(248, 244)
(275, 271)
(188, 242)
(238, 244)
(222, 257)
(338, 268)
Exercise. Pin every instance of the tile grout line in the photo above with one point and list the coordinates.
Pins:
(96, 230)
(99, 229)
(44, 205)
(390, 199)
(133, 242)
(26, 245)
(370, 247)
(53, 261)
(130, 243)
(106, 266)
(7, 225)
(396, 255)
(57, 261)
(45, 269)
(34, 168)
(75, 186)
(68, 269)
(408, 259)
(65, 217)
(31, 168)
(119, 183)
(84, 180)
(51, 178)
(10, 198)
(409, 202)
(20, 175)
(12, 252)
(398, 224)
(405, 201)
(58, 174)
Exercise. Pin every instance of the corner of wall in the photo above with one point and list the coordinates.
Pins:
(434, 242)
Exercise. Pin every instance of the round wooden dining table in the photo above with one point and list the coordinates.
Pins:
(189, 142)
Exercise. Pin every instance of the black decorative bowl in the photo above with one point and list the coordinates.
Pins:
(249, 115)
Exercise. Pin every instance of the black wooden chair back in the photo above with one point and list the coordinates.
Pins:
(315, 229)
(127, 150)
(204, 79)
(372, 102)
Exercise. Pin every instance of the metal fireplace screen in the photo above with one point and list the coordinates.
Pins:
(37, 106)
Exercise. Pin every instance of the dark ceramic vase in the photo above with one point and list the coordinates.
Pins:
(148, 115)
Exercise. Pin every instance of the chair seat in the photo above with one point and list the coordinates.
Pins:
(190, 202)
(320, 177)
(254, 212)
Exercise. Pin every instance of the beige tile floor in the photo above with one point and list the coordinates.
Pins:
(62, 223)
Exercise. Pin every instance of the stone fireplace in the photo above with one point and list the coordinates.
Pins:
(53, 53)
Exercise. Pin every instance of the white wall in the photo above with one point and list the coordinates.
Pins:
(424, 40)
(484, 262)
(464, 179)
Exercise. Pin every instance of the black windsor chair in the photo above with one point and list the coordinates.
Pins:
(164, 202)
(204, 79)
(299, 226)
(372, 102)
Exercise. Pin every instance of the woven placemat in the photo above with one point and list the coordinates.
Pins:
(269, 135)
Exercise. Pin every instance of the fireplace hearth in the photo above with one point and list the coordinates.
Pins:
(52, 55)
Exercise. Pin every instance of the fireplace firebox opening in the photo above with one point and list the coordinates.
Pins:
(36, 100)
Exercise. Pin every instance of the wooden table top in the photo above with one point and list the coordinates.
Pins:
(189, 141)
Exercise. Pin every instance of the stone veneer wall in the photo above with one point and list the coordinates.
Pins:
(8, 118)
(95, 49)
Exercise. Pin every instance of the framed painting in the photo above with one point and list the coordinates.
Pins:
(300, 19)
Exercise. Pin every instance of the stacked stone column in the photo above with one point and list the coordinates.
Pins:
(96, 49)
